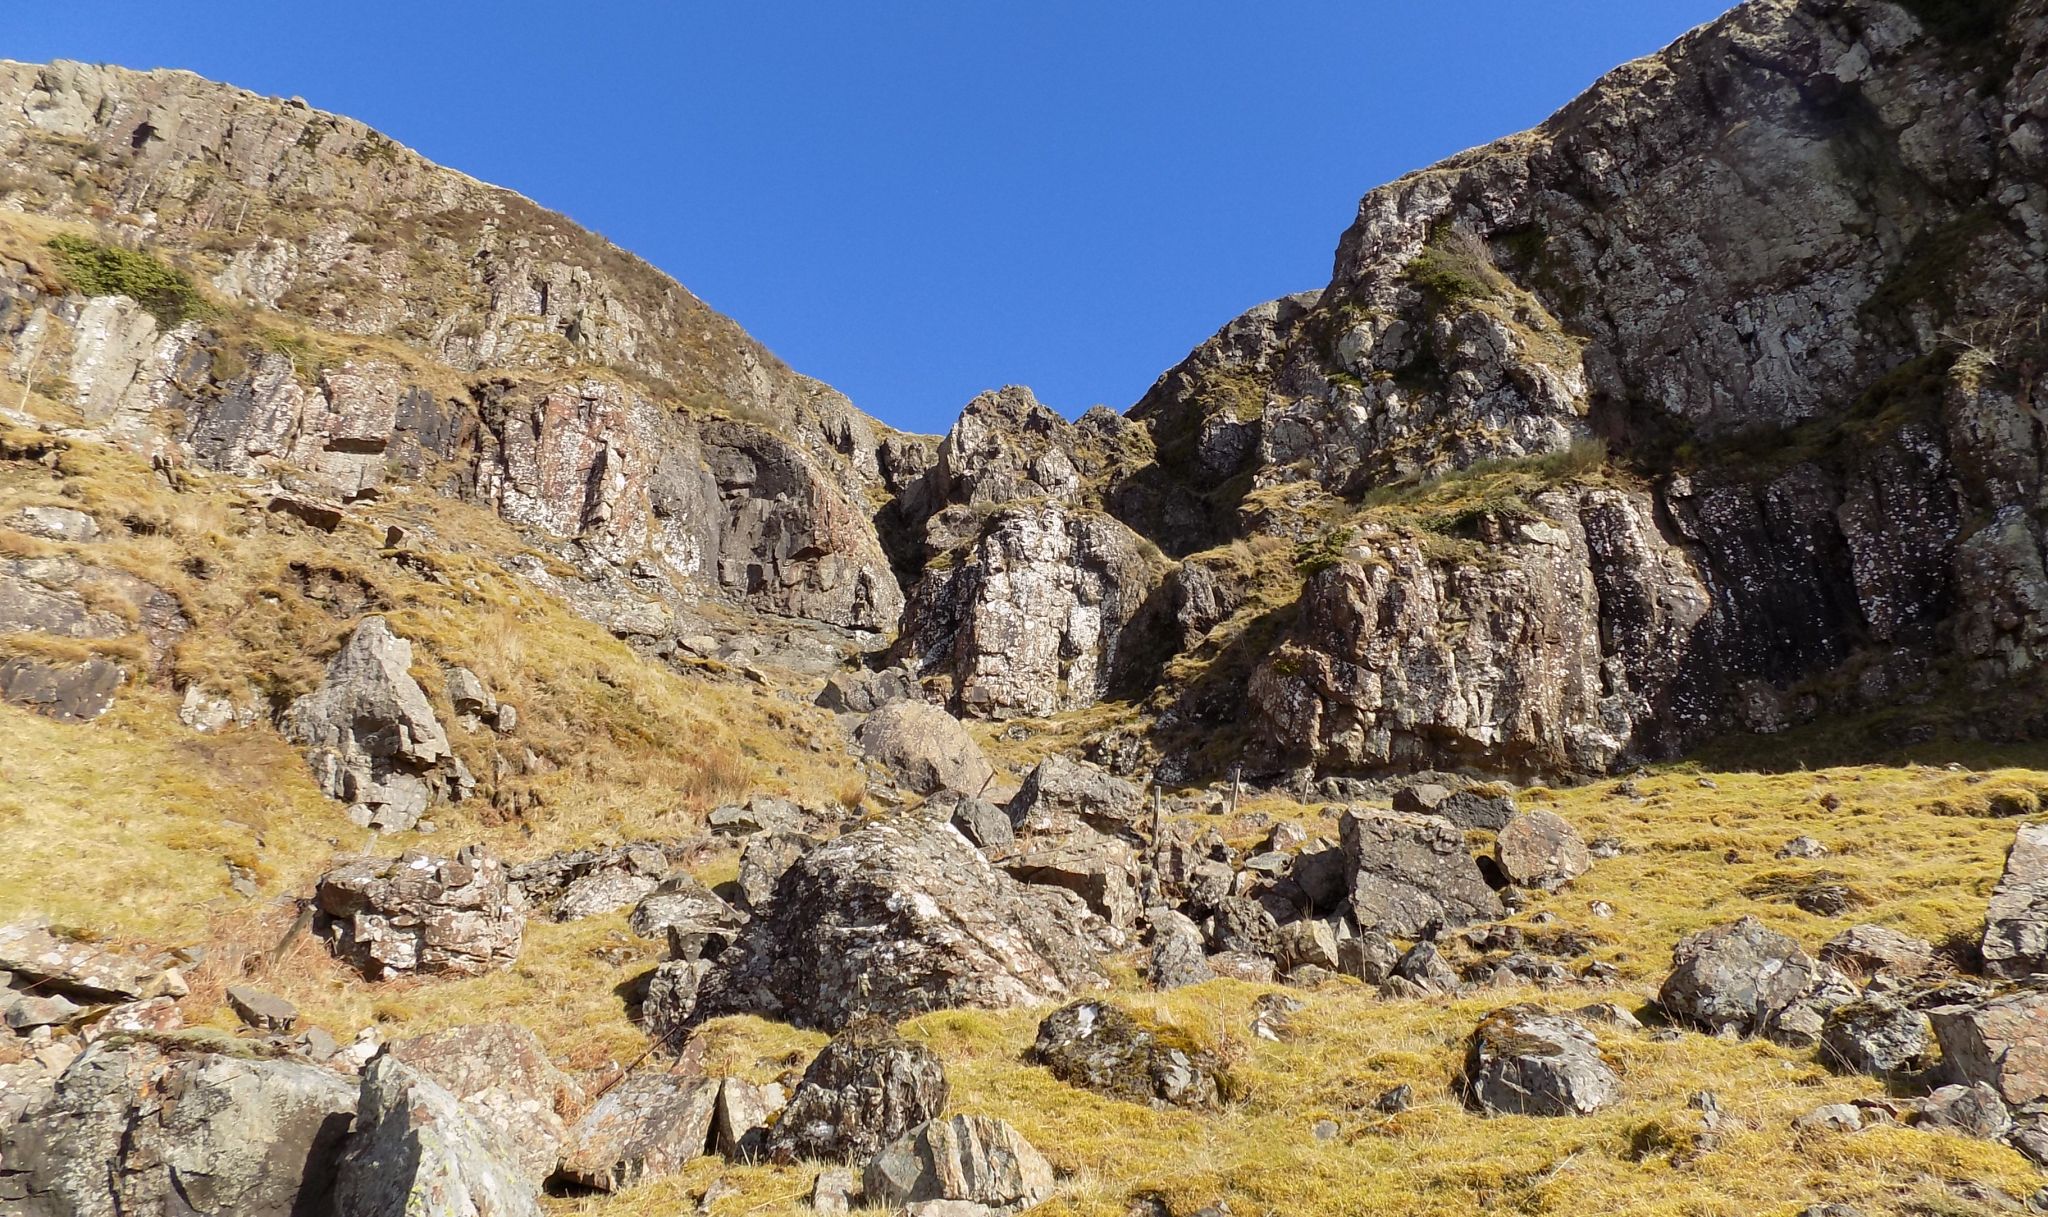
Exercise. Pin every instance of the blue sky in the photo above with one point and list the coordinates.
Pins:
(919, 199)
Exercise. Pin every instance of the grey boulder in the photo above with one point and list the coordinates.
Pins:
(969, 1160)
(417, 1152)
(1524, 1061)
(925, 749)
(863, 1090)
(1409, 873)
(1735, 977)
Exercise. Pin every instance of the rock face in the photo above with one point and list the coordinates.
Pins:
(1523, 1061)
(417, 1153)
(925, 748)
(664, 507)
(894, 919)
(420, 914)
(370, 733)
(1737, 977)
(130, 1130)
(1408, 873)
(865, 1089)
(1099, 1047)
(2016, 921)
(979, 1162)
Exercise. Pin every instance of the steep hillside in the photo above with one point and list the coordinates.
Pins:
(478, 735)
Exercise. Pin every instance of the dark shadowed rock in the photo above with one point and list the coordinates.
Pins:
(1099, 1047)
(963, 1165)
(647, 1126)
(422, 914)
(1879, 1038)
(130, 1131)
(866, 1088)
(370, 733)
(1539, 849)
(67, 692)
(925, 748)
(417, 1152)
(2016, 921)
(1411, 872)
(894, 919)
(1524, 1061)
(1425, 966)
(505, 1082)
(1735, 977)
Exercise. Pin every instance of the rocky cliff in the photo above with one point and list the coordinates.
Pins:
(1705, 408)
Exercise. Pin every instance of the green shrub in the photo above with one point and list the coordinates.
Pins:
(97, 269)
(1455, 267)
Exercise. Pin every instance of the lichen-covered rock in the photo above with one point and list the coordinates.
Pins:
(421, 914)
(1539, 849)
(1524, 1061)
(1101, 870)
(418, 1152)
(670, 1000)
(763, 861)
(1178, 956)
(1735, 977)
(682, 900)
(82, 969)
(648, 1126)
(925, 748)
(504, 1082)
(370, 733)
(1972, 1110)
(894, 919)
(1099, 1047)
(2016, 921)
(130, 1131)
(1876, 1037)
(976, 1162)
(1409, 873)
(863, 1090)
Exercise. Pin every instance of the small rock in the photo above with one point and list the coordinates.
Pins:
(1831, 1117)
(1603, 848)
(1099, 1047)
(1611, 1014)
(1178, 957)
(1869, 949)
(1426, 967)
(1875, 1037)
(1396, 1100)
(835, 1191)
(1974, 1111)
(1802, 847)
(1735, 977)
(1325, 1130)
(646, 1127)
(263, 1011)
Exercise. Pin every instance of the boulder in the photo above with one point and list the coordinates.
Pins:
(1409, 873)
(505, 1083)
(925, 749)
(370, 733)
(1058, 791)
(1524, 1061)
(864, 692)
(70, 967)
(1800, 1024)
(1539, 849)
(896, 918)
(1974, 1110)
(2016, 921)
(763, 859)
(1369, 957)
(681, 900)
(1735, 977)
(1309, 944)
(1487, 807)
(1100, 869)
(417, 1152)
(263, 1011)
(745, 1114)
(1869, 949)
(1099, 1047)
(1876, 1037)
(2002, 1042)
(973, 1161)
(1242, 925)
(980, 821)
(1178, 957)
(1425, 967)
(865, 1089)
(421, 914)
(131, 1131)
(647, 1126)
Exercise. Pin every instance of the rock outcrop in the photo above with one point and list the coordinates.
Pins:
(895, 919)
(370, 733)
(420, 914)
